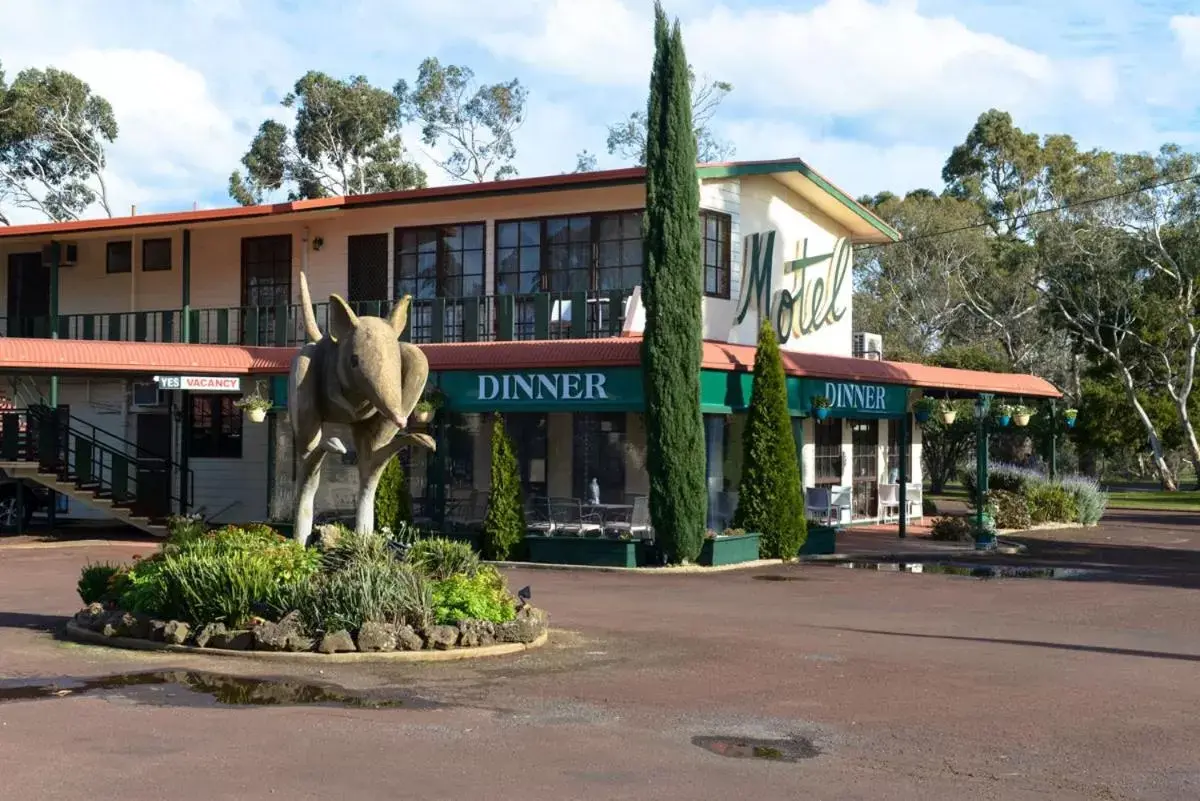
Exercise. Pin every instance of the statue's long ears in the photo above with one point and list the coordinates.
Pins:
(399, 317)
(311, 330)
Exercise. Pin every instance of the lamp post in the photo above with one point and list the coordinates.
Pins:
(985, 535)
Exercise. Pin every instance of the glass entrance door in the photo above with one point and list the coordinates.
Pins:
(865, 464)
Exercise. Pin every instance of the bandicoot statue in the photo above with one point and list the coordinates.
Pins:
(359, 375)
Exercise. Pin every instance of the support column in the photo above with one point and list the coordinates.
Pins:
(185, 291)
(1052, 456)
(185, 441)
(983, 407)
(55, 258)
(902, 460)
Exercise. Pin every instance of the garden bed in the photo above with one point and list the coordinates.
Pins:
(593, 551)
(728, 550)
(249, 589)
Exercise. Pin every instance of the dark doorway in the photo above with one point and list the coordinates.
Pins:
(266, 288)
(599, 453)
(28, 296)
(366, 267)
(528, 434)
(864, 435)
(154, 465)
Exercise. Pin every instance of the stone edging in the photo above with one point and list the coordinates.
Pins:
(35, 546)
(689, 570)
(78, 634)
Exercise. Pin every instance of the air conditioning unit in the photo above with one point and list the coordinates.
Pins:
(146, 394)
(868, 346)
(68, 254)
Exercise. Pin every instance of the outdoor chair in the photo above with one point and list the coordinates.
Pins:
(537, 516)
(916, 505)
(816, 504)
(841, 498)
(889, 502)
(565, 517)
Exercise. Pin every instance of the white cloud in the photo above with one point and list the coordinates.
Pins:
(1187, 35)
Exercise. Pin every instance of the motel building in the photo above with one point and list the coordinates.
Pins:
(137, 334)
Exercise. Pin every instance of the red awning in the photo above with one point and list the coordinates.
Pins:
(82, 357)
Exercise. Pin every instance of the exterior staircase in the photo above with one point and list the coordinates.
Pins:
(90, 465)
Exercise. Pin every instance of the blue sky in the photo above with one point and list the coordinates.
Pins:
(872, 93)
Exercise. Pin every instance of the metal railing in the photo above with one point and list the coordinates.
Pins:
(486, 318)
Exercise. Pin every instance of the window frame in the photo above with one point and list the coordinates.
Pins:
(724, 290)
(220, 428)
(157, 241)
(542, 246)
(400, 230)
(108, 256)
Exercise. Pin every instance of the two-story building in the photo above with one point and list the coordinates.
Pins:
(526, 301)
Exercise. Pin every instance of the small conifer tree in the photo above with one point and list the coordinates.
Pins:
(504, 523)
(770, 496)
(393, 504)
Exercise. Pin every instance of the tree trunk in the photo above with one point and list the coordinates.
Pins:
(1160, 464)
(1189, 432)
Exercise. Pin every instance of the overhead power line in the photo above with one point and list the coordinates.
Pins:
(1052, 209)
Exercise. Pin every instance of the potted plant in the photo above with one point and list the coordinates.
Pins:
(255, 406)
(1021, 415)
(948, 412)
(427, 406)
(1070, 415)
(730, 547)
(1004, 413)
(923, 409)
(821, 406)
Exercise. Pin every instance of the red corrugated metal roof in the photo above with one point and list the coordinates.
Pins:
(79, 356)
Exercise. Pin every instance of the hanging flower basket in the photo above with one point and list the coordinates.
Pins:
(423, 416)
(1004, 414)
(821, 406)
(923, 409)
(1070, 415)
(255, 406)
(948, 413)
(1021, 415)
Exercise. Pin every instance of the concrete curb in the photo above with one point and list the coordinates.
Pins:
(78, 634)
(37, 546)
(672, 570)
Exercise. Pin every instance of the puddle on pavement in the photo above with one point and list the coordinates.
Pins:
(201, 689)
(972, 570)
(790, 749)
(777, 577)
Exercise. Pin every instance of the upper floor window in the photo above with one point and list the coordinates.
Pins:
(715, 230)
(440, 261)
(156, 254)
(119, 257)
(574, 253)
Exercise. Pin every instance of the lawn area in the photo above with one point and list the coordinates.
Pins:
(1187, 500)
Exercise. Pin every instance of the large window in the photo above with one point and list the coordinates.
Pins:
(579, 253)
(715, 230)
(827, 447)
(443, 261)
(598, 452)
(216, 427)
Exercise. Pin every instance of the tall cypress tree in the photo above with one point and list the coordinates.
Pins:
(671, 293)
(770, 498)
(504, 523)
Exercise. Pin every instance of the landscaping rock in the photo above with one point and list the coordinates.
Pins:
(208, 632)
(176, 632)
(286, 635)
(158, 630)
(236, 640)
(527, 627)
(474, 633)
(441, 637)
(336, 642)
(407, 639)
(326, 535)
(91, 617)
(377, 637)
(126, 624)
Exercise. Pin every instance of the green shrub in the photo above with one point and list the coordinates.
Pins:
(1012, 510)
(349, 546)
(182, 529)
(1004, 477)
(1051, 503)
(393, 503)
(504, 523)
(1090, 500)
(928, 507)
(440, 558)
(93, 582)
(482, 596)
(950, 529)
(384, 591)
(770, 499)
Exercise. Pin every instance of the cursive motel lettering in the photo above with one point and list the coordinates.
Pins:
(542, 386)
(815, 298)
(864, 397)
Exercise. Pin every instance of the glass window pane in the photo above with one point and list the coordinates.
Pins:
(631, 253)
(581, 257)
(531, 282)
(472, 263)
(427, 240)
(506, 261)
(506, 234)
(558, 259)
(710, 226)
(556, 231)
(608, 278)
(581, 229)
(452, 237)
(608, 254)
(472, 237)
(408, 266)
(531, 233)
(427, 265)
(710, 252)
(530, 260)
(472, 285)
(610, 227)
(631, 225)
(631, 277)
(408, 241)
(453, 263)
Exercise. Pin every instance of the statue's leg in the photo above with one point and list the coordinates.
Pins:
(370, 440)
(310, 481)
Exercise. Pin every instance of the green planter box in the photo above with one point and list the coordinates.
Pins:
(729, 550)
(821, 540)
(596, 551)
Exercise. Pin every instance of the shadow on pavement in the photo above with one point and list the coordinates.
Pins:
(28, 620)
(1062, 646)
(1124, 564)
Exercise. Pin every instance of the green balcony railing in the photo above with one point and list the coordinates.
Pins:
(535, 316)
